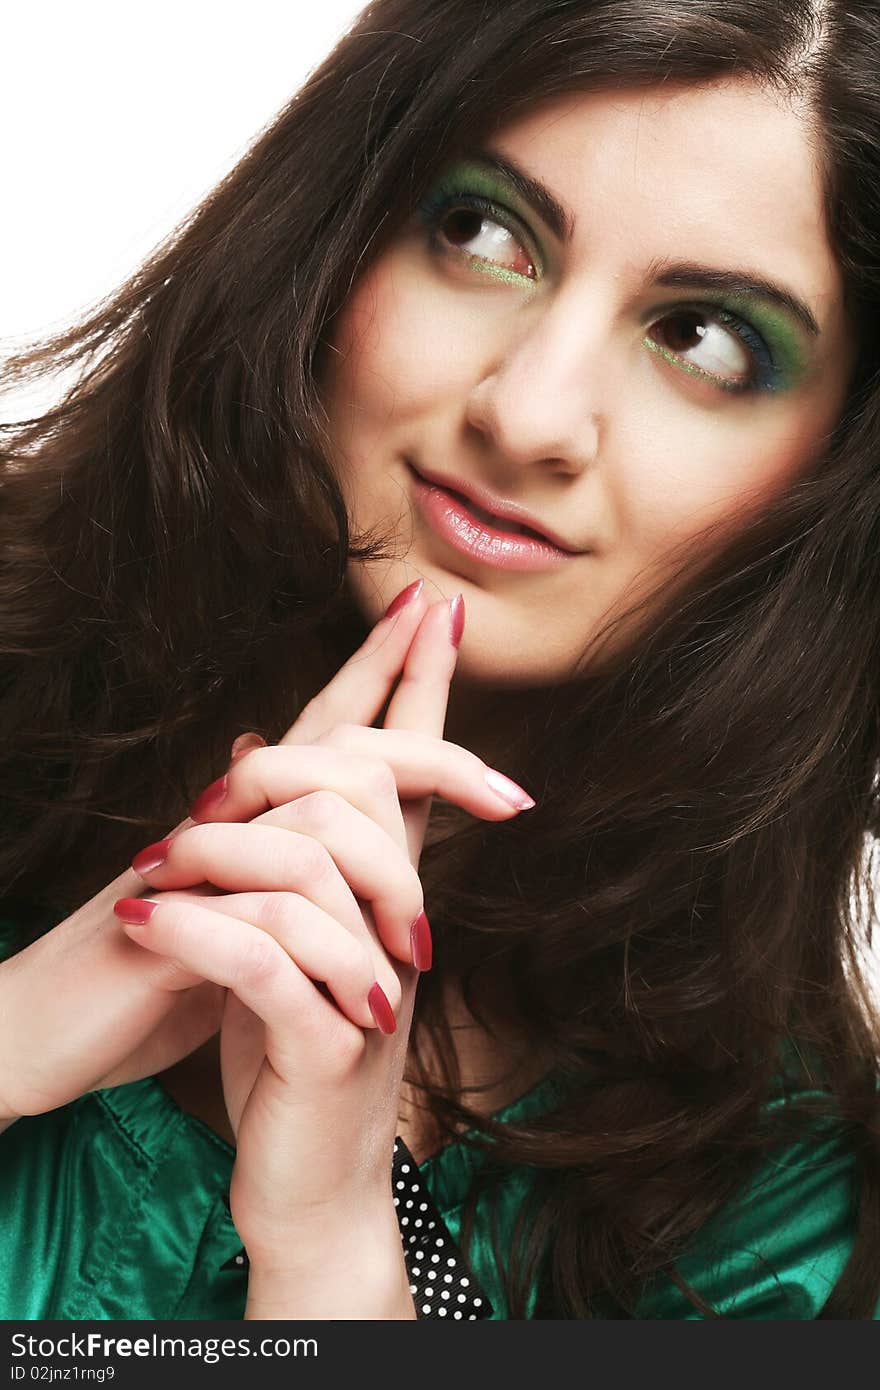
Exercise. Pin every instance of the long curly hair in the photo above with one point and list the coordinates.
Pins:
(681, 921)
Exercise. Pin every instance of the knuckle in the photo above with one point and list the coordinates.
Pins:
(379, 779)
(259, 960)
(315, 862)
(347, 1047)
(279, 912)
(321, 807)
(338, 735)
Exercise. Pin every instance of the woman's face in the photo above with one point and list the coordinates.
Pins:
(564, 370)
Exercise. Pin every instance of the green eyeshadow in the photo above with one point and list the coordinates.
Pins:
(781, 355)
(468, 178)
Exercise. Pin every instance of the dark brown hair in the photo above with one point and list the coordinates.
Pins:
(676, 921)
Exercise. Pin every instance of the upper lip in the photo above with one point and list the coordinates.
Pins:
(512, 511)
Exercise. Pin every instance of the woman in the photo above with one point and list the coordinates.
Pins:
(607, 272)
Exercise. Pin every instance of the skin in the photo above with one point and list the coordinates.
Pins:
(536, 381)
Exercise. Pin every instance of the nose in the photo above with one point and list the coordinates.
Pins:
(537, 401)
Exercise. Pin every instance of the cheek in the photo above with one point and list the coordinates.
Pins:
(397, 347)
(719, 472)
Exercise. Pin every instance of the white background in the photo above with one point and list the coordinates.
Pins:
(117, 119)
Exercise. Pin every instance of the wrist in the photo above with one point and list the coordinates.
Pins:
(352, 1271)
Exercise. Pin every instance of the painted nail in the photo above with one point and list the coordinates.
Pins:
(405, 596)
(420, 943)
(134, 911)
(509, 791)
(151, 857)
(456, 619)
(245, 743)
(381, 1009)
(207, 802)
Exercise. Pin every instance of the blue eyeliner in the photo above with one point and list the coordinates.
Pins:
(468, 187)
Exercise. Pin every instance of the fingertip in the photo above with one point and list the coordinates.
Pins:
(421, 945)
(456, 619)
(151, 858)
(380, 1008)
(406, 596)
(134, 912)
(510, 792)
(245, 743)
(207, 803)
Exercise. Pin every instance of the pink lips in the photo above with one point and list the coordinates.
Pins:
(449, 517)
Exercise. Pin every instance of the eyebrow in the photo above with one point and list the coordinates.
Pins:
(677, 274)
(557, 217)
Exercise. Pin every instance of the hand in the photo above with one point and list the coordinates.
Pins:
(313, 1100)
(82, 1008)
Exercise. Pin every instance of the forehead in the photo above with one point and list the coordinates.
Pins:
(698, 172)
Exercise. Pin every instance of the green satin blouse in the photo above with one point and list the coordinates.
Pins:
(115, 1206)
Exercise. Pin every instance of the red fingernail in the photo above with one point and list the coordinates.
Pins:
(135, 911)
(381, 1009)
(456, 619)
(151, 857)
(420, 943)
(405, 596)
(245, 743)
(207, 802)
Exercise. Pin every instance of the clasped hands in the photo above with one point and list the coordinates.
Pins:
(315, 845)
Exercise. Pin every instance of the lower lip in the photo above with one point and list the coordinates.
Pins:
(450, 518)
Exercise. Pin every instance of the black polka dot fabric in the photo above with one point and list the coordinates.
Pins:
(239, 1261)
(441, 1284)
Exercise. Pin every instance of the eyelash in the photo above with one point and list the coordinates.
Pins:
(434, 208)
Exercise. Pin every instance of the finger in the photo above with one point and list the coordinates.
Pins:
(252, 964)
(273, 776)
(376, 869)
(362, 685)
(424, 765)
(420, 699)
(319, 845)
(245, 743)
(318, 944)
(235, 858)
(262, 909)
(373, 769)
(242, 745)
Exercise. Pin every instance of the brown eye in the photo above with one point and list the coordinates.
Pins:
(482, 237)
(461, 224)
(707, 344)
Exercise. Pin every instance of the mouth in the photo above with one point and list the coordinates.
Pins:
(501, 524)
(472, 530)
